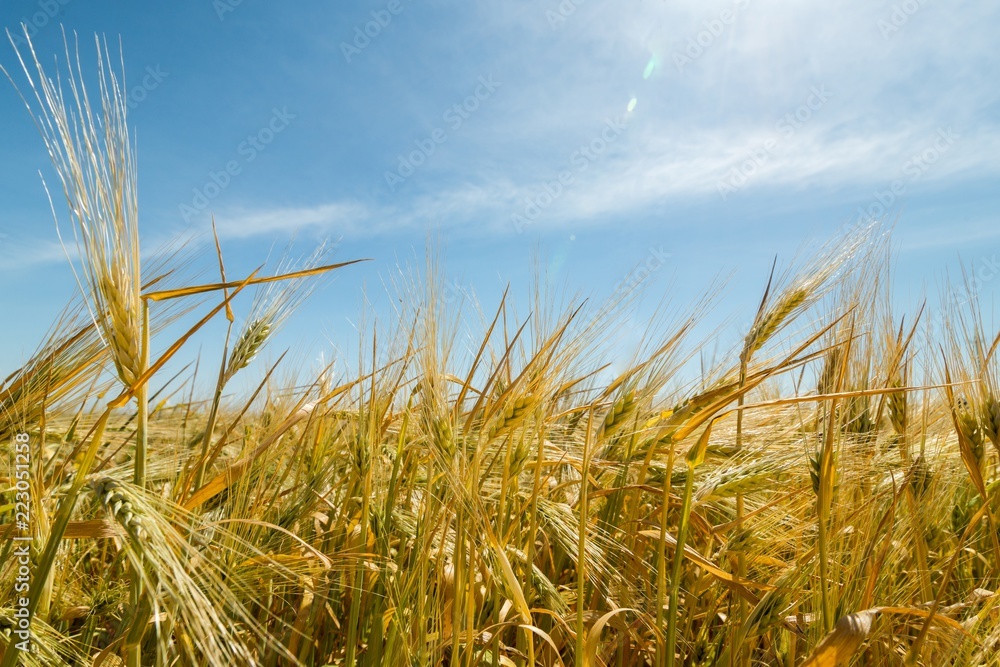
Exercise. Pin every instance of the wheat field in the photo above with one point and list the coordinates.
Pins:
(510, 493)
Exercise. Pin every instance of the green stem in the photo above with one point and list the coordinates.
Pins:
(822, 518)
(213, 415)
(533, 530)
(675, 573)
(742, 657)
(661, 554)
(133, 651)
(357, 597)
(142, 400)
(458, 585)
(133, 640)
(581, 560)
(424, 575)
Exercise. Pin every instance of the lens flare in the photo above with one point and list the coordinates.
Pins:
(650, 66)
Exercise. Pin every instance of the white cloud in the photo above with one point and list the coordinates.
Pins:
(891, 91)
(18, 253)
(337, 216)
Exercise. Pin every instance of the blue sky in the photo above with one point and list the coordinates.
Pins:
(701, 137)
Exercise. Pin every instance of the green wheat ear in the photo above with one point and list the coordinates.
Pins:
(773, 319)
(990, 419)
(114, 498)
(250, 342)
(897, 402)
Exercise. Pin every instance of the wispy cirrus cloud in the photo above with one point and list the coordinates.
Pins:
(19, 251)
(710, 85)
(636, 180)
(699, 112)
(328, 217)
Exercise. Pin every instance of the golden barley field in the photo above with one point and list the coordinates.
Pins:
(824, 493)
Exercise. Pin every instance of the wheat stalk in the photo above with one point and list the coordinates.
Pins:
(95, 163)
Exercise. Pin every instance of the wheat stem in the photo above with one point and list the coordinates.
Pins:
(581, 547)
(675, 572)
(661, 553)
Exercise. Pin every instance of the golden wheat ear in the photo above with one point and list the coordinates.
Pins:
(91, 150)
